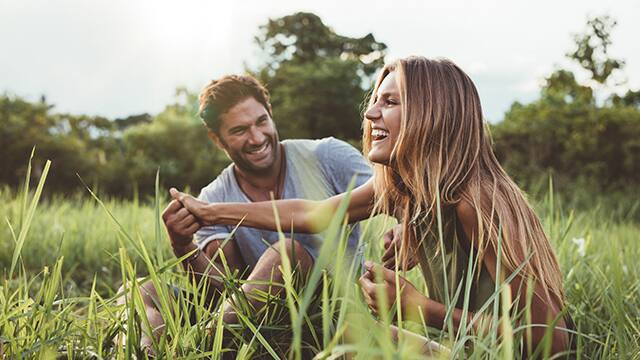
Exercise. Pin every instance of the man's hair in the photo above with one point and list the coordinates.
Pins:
(223, 94)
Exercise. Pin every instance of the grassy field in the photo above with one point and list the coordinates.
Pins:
(63, 260)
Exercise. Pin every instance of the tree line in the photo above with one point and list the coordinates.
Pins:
(318, 81)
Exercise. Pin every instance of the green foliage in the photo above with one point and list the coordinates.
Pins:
(174, 142)
(577, 142)
(73, 142)
(317, 78)
(568, 133)
(61, 304)
(118, 157)
(592, 49)
(318, 99)
(303, 38)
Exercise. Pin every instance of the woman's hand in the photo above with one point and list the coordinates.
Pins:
(412, 302)
(200, 209)
(392, 240)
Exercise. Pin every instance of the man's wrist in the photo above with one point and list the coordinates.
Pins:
(181, 250)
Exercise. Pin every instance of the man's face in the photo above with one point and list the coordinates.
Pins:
(249, 136)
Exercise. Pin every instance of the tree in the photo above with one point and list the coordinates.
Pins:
(74, 143)
(567, 132)
(317, 78)
(592, 49)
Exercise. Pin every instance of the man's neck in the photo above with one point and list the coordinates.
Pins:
(263, 183)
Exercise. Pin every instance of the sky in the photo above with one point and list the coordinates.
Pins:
(121, 57)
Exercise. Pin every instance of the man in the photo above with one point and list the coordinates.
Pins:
(238, 118)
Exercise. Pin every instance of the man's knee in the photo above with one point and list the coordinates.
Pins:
(229, 248)
(296, 253)
(147, 291)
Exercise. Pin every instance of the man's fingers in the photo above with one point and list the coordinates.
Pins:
(186, 220)
(181, 214)
(189, 202)
(193, 228)
(173, 206)
(175, 193)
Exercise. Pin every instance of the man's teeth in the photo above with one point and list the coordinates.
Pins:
(377, 133)
(261, 149)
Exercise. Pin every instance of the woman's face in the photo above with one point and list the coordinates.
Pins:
(385, 117)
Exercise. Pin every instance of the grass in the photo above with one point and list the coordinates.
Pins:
(63, 260)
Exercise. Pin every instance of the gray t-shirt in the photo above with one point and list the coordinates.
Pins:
(315, 170)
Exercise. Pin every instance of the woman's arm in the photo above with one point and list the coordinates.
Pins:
(415, 305)
(543, 311)
(305, 216)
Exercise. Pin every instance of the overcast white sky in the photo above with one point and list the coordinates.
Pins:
(121, 57)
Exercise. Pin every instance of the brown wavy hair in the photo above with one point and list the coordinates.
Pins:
(221, 95)
(443, 155)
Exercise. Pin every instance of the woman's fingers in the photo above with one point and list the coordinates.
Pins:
(368, 292)
(368, 286)
(387, 238)
(387, 275)
(389, 257)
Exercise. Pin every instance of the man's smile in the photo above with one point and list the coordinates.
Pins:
(260, 151)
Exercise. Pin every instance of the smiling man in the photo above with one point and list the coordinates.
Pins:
(238, 119)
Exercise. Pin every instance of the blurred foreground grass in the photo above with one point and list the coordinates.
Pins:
(60, 300)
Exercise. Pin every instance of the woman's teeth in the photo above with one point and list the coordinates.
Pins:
(378, 134)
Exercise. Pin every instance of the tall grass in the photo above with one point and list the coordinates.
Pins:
(64, 259)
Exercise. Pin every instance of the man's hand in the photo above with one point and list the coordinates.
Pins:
(392, 240)
(411, 300)
(196, 207)
(180, 224)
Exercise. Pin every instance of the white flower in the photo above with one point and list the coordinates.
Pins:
(581, 244)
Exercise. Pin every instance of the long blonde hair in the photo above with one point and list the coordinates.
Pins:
(443, 155)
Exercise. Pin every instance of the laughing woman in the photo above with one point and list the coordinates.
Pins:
(435, 171)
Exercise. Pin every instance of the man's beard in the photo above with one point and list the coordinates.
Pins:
(246, 166)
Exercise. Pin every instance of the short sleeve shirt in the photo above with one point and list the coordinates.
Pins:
(315, 170)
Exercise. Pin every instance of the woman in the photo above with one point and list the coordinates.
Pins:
(435, 171)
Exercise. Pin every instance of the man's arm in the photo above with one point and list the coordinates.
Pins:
(181, 227)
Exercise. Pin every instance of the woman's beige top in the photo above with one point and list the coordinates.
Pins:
(456, 256)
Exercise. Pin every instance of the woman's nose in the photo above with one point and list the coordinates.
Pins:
(372, 113)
